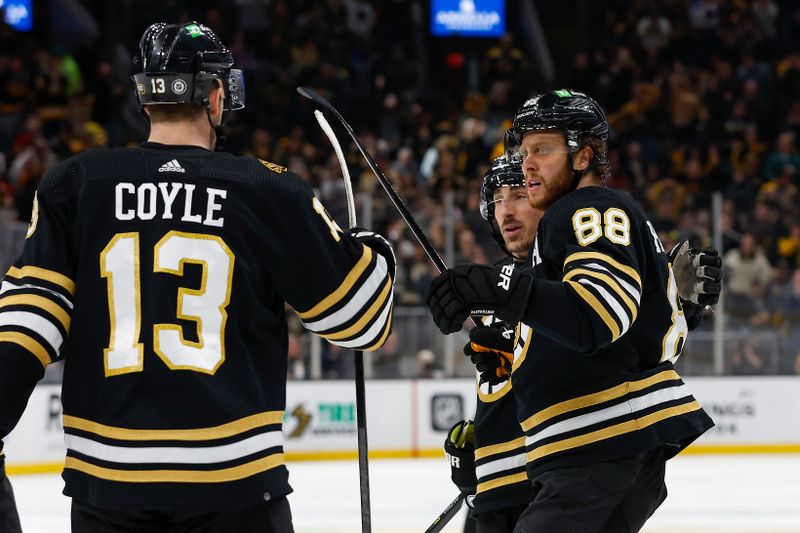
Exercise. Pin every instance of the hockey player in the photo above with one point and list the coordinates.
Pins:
(500, 488)
(159, 274)
(502, 491)
(600, 325)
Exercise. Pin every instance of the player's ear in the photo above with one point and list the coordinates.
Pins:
(217, 97)
(582, 158)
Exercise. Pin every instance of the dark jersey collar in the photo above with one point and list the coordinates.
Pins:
(177, 148)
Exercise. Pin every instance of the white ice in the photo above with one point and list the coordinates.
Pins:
(741, 493)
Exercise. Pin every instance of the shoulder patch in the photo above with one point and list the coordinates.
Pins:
(273, 167)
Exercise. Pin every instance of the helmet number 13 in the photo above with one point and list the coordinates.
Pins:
(157, 85)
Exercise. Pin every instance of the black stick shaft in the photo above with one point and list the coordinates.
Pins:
(363, 446)
(449, 512)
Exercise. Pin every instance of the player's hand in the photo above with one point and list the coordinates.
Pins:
(478, 289)
(459, 448)
(9, 518)
(698, 273)
(491, 350)
(378, 243)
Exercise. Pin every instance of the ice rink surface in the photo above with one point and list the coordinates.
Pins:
(741, 493)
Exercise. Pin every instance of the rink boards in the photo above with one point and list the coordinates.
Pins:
(409, 418)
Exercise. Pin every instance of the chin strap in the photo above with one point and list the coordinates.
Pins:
(577, 174)
(219, 130)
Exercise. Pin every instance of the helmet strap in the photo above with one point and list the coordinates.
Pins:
(219, 129)
(577, 174)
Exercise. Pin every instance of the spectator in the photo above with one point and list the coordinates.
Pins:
(745, 266)
(785, 154)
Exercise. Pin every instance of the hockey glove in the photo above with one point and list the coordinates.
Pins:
(9, 518)
(379, 245)
(459, 448)
(478, 289)
(698, 273)
(491, 350)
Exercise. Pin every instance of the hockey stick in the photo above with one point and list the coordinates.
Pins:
(387, 185)
(452, 509)
(361, 397)
(337, 148)
(449, 512)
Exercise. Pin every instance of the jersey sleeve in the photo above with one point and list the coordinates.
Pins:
(593, 294)
(340, 289)
(36, 301)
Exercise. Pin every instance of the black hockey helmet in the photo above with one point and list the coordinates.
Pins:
(180, 63)
(574, 113)
(504, 172)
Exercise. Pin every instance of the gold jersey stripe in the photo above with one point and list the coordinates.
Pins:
(598, 307)
(196, 434)
(612, 431)
(384, 335)
(624, 296)
(608, 259)
(177, 476)
(42, 273)
(343, 289)
(501, 447)
(29, 343)
(502, 481)
(41, 302)
(596, 398)
(368, 315)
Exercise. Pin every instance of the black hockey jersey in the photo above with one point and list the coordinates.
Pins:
(593, 374)
(160, 275)
(499, 446)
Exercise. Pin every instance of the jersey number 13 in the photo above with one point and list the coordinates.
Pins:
(120, 266)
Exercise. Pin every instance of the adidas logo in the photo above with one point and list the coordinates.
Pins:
(172, 166)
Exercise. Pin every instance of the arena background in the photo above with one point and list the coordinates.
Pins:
(703, 99)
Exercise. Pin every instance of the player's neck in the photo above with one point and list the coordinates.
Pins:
(589, 180)
(183, 133)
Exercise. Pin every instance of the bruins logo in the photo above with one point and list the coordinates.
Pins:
(34, 215)
(273, 167)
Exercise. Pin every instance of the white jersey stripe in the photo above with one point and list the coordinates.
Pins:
(612, 301)
(630, 289)
(374, 331)
(35, 323)
(372, 285)
(500, 465)
(632, 405)
(8, 286)
(174, 454)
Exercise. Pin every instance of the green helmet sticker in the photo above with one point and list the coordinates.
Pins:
(194, 30)
(563, 93)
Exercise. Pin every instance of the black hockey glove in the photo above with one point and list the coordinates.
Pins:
(698, 274)
(478, 289)
(379, 245)
(9, 518)
(459, 448)
(491, 350)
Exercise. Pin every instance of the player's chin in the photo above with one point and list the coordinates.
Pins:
(538, 199)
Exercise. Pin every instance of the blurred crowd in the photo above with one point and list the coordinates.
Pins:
(703, 96)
